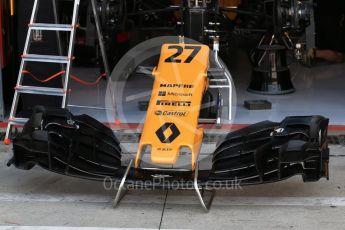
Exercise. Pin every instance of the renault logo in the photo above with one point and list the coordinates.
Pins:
(168, 133)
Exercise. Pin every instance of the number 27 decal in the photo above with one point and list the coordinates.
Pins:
(174, 58)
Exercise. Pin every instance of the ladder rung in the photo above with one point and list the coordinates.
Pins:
(41, 90)
(54, 27)
(45, 58)
(18, 121)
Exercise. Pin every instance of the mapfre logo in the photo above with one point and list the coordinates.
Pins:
(171, 113)
(179, 86)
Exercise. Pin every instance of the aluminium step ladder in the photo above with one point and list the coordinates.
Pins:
(67, 60)
(26, 57)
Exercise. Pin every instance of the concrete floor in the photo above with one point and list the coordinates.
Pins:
(40, 198)
(320, 85)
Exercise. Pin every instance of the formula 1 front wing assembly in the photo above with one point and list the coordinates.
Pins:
(80, 146)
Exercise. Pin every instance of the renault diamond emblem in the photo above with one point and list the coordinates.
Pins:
(168, 133)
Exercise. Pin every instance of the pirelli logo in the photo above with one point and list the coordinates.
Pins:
(174, 103)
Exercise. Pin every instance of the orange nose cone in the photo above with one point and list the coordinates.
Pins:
(7, 141)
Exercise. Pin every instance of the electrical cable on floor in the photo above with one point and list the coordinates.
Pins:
(80, 81)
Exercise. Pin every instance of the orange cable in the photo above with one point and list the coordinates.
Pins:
(45, 80)
(73, 77)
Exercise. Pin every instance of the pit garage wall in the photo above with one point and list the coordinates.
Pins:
(5, 47)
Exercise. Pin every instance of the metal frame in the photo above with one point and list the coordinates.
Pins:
(100, 38)
(58, 37)
(103, 53)
(222, 83)
(19, 80)
(205, 201)
(70, 50)
(121, 192)
(310, 31)
(63, 92)
(62, 60)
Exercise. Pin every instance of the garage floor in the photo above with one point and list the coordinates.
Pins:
(40, 198)
(319, 91)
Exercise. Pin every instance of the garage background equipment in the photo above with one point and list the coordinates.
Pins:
(257, 104)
